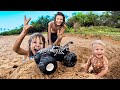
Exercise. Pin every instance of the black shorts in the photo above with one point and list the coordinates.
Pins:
(53, 37)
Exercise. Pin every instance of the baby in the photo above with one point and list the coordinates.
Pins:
(97, 62)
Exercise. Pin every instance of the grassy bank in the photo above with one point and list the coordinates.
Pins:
(98, 31)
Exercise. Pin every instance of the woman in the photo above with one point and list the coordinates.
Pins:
(56, 29)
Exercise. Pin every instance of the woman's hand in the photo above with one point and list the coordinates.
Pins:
(59, 34)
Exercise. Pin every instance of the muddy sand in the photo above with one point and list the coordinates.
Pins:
(12, 66)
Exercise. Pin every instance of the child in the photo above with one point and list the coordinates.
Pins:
(97, 63)
(36, 41)
(56, 28)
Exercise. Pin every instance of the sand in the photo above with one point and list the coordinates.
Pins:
(12, 66)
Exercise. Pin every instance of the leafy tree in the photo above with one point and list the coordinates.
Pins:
(115, 18)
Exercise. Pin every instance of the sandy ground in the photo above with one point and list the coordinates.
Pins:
(12, 66)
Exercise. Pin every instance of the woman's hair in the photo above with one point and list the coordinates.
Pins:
(35, 35)
(61, 14)
(98, 42)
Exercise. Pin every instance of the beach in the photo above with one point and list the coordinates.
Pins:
(13, 67)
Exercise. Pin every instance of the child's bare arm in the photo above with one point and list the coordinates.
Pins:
(102, 73)
(16, 46)
(104, 70)
(87, 65)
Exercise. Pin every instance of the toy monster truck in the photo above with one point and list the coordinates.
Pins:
(47, 58)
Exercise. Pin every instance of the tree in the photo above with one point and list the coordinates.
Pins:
(115, 18)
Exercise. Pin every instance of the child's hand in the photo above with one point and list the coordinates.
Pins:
(97, 77)
(26, 26)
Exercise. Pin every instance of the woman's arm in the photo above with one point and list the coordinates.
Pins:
(60, 34)
(62, 30)
(16, 46)
(49, 33)
(58, 40)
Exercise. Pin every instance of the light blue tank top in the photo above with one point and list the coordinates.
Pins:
(30, 58)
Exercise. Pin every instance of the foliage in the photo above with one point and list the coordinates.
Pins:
(89, 23)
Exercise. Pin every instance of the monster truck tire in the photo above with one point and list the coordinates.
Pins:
(70, 59)
(47, 65)
(37, 58)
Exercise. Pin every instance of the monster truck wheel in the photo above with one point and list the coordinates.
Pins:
(70, 59)
(47, 65)
(37, 58)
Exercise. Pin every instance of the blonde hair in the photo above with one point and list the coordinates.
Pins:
(98, 42)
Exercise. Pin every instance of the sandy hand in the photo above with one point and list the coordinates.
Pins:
(26, 25)
(60, 35)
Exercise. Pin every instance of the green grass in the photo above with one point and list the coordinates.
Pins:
(94, 31)
(98, 31)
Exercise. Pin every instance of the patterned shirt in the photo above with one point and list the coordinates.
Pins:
(98, 64)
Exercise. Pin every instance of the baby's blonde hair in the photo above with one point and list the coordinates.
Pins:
(98, 42)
